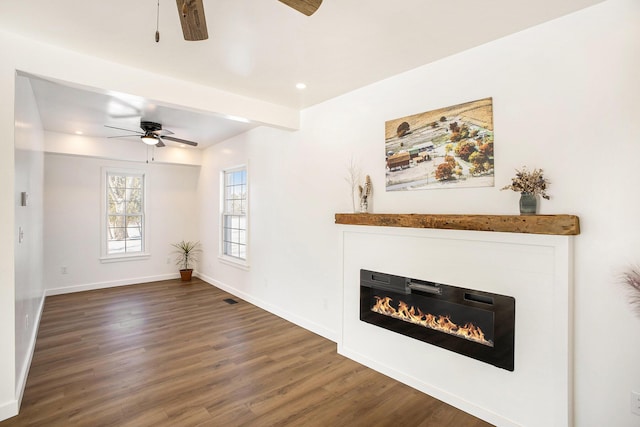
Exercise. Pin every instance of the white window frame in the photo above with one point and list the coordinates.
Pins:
(106, 257)
(224, 212)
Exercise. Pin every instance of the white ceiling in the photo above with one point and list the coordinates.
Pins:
(259, 48)
(73, 110)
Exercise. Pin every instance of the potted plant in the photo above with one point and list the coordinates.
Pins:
(530, 185)
(186, 256)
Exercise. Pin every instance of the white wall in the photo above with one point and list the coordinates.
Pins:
(8, 402)
(291, 273)
(72, 203)
(29, 286)
(564, 98)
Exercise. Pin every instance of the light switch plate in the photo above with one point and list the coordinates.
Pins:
(635, 402)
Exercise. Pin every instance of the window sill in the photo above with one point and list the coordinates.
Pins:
(124, 258)
(234, 262)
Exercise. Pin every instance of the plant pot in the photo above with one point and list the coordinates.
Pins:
(185, 274)
(528, 204)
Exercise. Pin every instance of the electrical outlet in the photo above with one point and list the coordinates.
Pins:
(63, 269)
(635, 402)
(168, 260)
(26, 321)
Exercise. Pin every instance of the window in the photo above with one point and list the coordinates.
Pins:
(234, 214)
(125, 218)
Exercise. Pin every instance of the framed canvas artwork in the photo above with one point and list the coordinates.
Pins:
(450, 147)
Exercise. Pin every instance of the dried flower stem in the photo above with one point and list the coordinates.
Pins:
(366, 191)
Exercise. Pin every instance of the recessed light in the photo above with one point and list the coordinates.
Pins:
(79, 132)
(237, 119)
(301, 86)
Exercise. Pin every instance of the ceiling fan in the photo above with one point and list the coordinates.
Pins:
(307, 7)
(152, 134)
(194, 25)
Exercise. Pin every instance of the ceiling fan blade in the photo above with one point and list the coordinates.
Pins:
(124, 116)
(127, 130)
(160, 144)
(181, 141)
(194, 24)
(307, 7)
(123, 136)
(162, 132)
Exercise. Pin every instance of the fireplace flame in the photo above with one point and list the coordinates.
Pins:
(439, 323)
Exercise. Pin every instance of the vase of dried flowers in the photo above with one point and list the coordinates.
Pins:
(528, 204)
(365, 192)
(530, 185)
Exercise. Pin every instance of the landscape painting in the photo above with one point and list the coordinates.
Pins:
(450, 147)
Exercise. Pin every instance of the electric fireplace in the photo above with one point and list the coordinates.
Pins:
(474, 323)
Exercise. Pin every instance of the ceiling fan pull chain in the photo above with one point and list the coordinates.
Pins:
(153, 153)
(158, 23)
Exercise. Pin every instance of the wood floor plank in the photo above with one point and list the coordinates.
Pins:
(174, 354)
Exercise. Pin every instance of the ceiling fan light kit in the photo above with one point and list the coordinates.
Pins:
(149, 139)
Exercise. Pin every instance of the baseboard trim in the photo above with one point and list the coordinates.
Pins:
(109, 284)
(8, 409)
(22, 379)
(278, 311)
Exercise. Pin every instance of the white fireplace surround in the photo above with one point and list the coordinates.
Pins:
(535, 269)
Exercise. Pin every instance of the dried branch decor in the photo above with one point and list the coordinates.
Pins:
(353, 177)
(632, 278)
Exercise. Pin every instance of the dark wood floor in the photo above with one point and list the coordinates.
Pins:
(170, 354)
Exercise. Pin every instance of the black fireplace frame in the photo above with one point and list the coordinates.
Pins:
(501, 354)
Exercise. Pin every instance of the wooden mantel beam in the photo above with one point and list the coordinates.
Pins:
(564, 225)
